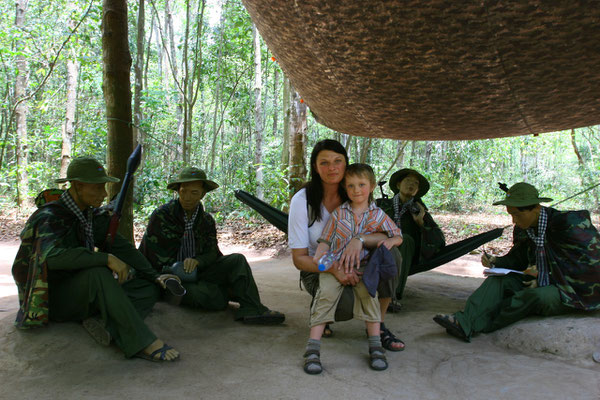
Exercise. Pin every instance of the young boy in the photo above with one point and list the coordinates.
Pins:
(357, 217)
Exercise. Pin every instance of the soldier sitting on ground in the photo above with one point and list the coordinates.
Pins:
(182, 231)
(564, 248)
(423, 238)
(61, 277)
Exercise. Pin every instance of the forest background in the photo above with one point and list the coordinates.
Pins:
(207, 92)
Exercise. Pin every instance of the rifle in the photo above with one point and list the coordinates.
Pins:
(132, 164)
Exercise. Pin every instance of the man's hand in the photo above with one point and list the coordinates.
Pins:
(351, 256)
(487, 261)
(419, 217)
(162, 278)
(118, 267)
(189, 265)
(347, 279)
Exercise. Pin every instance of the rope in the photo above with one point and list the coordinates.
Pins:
(576, 194)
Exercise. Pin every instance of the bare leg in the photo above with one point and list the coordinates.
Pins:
(317, 331)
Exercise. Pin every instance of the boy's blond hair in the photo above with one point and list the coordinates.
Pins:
(362, 171)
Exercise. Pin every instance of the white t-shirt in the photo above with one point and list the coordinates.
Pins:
(300, 236)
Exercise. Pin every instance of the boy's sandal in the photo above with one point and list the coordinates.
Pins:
(388, 340)
(452, 326)
(312, 365)
(162, 354)
(375, 354)
(327, 332)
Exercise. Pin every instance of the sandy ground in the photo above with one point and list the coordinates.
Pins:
(221, 359)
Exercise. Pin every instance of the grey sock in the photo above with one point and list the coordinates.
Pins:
(377, 363)
(313, 344)
(374, 341)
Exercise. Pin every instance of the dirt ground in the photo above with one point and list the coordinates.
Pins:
(221, 359)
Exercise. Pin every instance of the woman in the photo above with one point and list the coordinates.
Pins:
(310, 209)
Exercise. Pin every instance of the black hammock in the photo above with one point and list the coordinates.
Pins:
(450, 252)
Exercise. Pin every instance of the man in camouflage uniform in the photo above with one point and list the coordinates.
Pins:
(182, 231)
(559, 252)
(422, 236)
(62, 277)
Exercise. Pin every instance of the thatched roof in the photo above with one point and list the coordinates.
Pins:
(434, 70)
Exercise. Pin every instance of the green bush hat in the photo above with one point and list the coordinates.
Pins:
(86, 170)
(521, 195)
(403, 173)
(191, 174)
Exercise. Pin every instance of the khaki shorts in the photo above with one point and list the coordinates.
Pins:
(366, 308)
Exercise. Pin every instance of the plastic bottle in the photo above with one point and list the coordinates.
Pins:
(326, 261)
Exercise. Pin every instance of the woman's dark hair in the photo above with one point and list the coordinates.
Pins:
(314, 187)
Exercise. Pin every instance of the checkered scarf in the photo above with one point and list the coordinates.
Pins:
(399, 210)
(188, 241)
(85, 221)
(540, 255)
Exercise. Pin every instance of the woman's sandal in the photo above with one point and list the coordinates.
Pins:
(327, 332)
(376, 354)
(388, 339)
(312, 362)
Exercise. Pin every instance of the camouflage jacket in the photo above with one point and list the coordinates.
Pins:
(162, 239)
(429, 238)
(52, 236)
(572, 246)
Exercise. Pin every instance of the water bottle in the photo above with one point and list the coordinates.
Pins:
(326, 261)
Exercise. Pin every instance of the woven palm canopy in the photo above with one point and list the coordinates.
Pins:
(439, 70)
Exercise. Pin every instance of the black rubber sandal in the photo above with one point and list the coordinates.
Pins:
(327, 332)
(452, 326)
(388, 339)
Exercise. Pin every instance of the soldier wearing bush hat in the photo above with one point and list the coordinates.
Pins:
(423, 238)
(181, 237)
(558, 253)
(191, 174)
(87, 170)
(78, 282)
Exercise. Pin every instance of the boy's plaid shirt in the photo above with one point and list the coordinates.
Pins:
(344, 224)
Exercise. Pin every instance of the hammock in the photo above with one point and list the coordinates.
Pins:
(279, 219)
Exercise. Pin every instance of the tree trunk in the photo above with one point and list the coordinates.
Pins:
(583, 171)
(71, 106)
(297, 142)
(139, 75)
(365, 149)
(217, 96)
(117, 95)
(22, 79)
(275, 100)
(285, 151)
(175, 72)
(399, 156)
(258, 120)
(148, 48)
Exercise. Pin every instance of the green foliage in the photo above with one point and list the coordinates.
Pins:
(463, 175)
